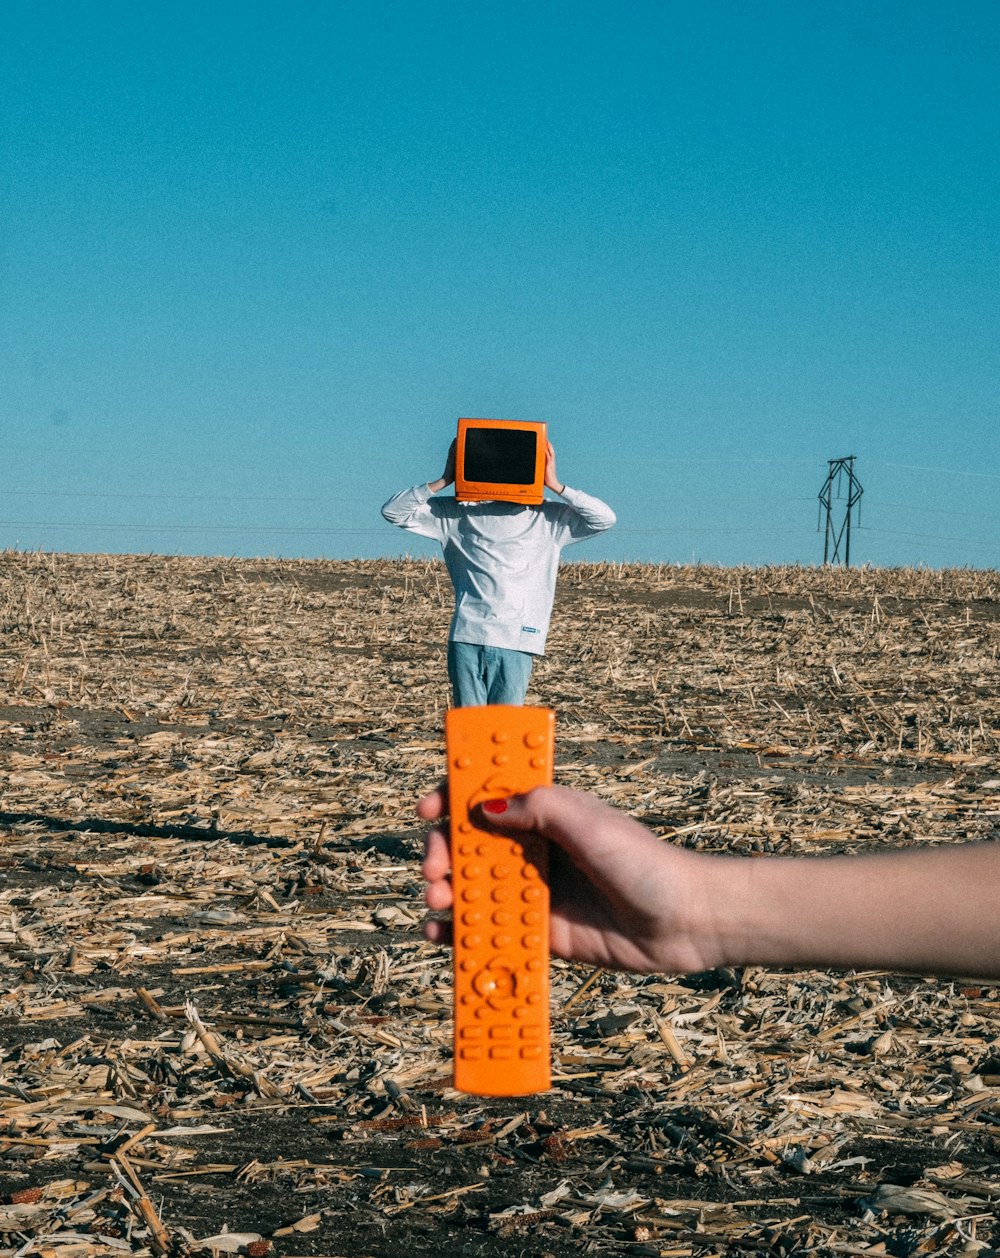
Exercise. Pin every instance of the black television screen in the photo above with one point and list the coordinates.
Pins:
(500, 455)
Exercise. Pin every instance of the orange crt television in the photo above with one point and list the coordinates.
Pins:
(501, 460)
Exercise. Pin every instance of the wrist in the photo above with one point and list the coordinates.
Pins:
(719, 910)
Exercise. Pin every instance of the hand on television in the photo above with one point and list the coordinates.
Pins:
(624, 899)
(448, 475)
(552, 480)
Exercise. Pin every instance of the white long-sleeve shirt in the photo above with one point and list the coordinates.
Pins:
(502, 558)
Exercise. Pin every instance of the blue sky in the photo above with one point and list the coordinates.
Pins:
(257, 258)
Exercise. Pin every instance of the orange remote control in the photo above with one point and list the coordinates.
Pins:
(501, 909)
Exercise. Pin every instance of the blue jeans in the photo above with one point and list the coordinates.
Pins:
(487, 674)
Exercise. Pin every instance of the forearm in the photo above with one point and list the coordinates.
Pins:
(921, 910)
(408, 507)
(596, 516)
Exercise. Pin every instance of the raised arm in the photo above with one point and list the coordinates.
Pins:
(584, 515)
(410, 509)
(624, 899)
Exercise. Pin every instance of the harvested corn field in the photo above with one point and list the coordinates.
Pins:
(221, 1030)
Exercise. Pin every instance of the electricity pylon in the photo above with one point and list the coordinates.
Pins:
(840, 469)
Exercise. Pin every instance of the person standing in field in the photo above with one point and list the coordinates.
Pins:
(503, 559)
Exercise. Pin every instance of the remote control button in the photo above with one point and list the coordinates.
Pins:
(471, 1033)
(501, 758)
(531, 942)
(495, 982)
(529, 1032)
(466, 849)
(531, 894)
(501, 736)
(501, 942)
(463, 762)
(472, 941)
(502, 893)
(502, 871)
(534, 740)
(531, 917)
(471, 894)
(502, 918)
(472, 871)
(501, 1032)
(538, 762)
(466, 827)
(502, 1053)
(474, 1054)
(531, 1052)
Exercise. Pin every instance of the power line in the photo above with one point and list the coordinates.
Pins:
(85, 493)
(180, 528)
(933, 471)
(735, 532)
(909, 506)
(933, 537)
(334, 531)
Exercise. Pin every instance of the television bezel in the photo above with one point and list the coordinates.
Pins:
(530, 494)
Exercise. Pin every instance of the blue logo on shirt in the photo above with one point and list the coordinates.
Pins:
(529, 629)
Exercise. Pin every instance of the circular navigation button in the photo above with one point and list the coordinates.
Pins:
(495, 983)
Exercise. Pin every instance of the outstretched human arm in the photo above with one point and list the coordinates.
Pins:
(624, 899)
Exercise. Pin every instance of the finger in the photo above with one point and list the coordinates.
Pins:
(437, 931)
(439, 896)
(586, 829)
(437, 857)
(434, 804)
